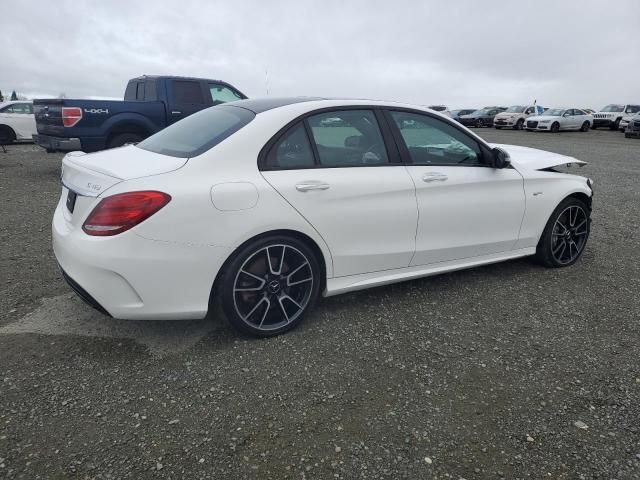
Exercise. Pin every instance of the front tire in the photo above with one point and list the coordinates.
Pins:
(269, 285)
(565, 235)
(615, 125)
(479, 123)
(585, 127)
(519, 125)
(555, 127)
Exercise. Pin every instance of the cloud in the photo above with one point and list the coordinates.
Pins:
(463, 53)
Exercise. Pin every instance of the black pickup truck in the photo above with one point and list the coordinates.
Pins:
(150, 104)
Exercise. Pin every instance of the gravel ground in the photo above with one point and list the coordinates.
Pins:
(506, 371)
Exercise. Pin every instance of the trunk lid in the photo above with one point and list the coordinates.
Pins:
(92, 174)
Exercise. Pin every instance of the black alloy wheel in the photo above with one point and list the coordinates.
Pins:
(269, 285)
(565, 235)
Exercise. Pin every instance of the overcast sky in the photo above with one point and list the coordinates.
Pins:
(460, 53)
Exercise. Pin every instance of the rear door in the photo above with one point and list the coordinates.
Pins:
(466, 207)
(185, 98)
(336, 169)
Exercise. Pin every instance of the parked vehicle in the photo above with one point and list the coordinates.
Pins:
(515, 116)
(456, 114)
(624, 122)
(611, 115)
(633, 129)
(556, 119)
(150, 104)
(440, 109)
(236, 205)
(481, 118)
(16, 121)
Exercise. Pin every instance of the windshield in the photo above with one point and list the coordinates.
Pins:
(613, 108)
(198, 132)
(482, 111)
(554, 112)
(515, 109)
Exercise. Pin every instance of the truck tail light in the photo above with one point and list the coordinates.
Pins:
(71, 116)
(119, 213)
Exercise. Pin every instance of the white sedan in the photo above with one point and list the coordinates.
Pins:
(17, 121)
(263, 205)
(556, 119)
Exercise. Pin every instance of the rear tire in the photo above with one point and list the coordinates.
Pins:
(7, 135)
(123, 139)
(269, 284)
(498, 128)
(565, 235)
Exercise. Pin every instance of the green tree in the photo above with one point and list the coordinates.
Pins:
(14, 96)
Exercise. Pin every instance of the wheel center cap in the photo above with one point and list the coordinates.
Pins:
(274, 286)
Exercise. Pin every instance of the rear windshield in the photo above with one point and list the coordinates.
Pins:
(198, 132)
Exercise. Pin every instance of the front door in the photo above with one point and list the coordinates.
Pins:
(466, 208)
(336, 170)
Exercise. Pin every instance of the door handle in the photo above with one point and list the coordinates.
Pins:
(434, 177)
(308, 186)
(175, 112)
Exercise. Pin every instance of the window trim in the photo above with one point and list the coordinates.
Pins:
(393, 155)
(485, 150)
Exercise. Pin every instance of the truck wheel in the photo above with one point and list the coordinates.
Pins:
(615, 125)
(519, 124)
(124, 139)
(7, 135)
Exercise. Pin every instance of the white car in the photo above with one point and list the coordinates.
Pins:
(556, 119)
(262, 205)
(624, 121)
(515, 116)
(611, 115)
(16, 121)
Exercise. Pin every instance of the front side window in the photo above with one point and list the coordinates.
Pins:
(199, 132)
(222, 94)
(348, 138)
(186, 91)
(431, 141)
(633, 109)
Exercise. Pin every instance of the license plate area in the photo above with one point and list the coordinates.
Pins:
(71, 200)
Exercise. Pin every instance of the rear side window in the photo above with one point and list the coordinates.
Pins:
(186, 91)
(293, 150)
(348, 138)
(199, 132)
(150, 90)
(140, 91)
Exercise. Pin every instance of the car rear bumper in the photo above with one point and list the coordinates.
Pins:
(60, 144)
(131, 277)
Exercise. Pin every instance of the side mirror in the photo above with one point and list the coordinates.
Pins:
(500, 158)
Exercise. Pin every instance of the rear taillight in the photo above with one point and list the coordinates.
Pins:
(119, 213)
(71, 116)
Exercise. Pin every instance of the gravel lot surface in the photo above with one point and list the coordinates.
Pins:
(507, 371)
